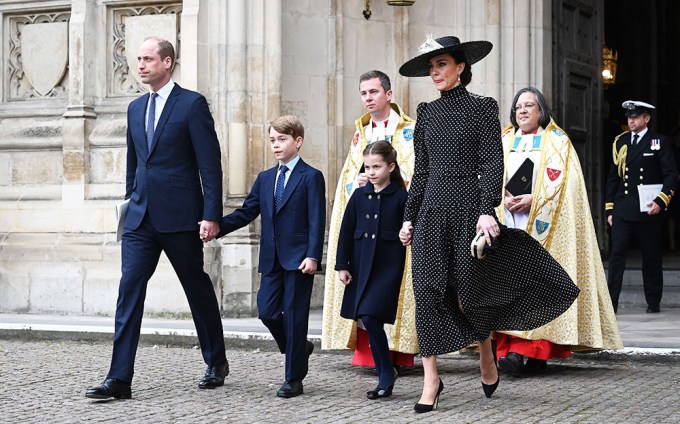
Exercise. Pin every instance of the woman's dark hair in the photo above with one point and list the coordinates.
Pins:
(466, 75)
(385, 150)
(544, 110)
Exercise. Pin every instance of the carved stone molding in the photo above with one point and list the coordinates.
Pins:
(122, 79)
(22, 50)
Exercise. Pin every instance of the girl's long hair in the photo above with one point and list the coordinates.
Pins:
(385, 150)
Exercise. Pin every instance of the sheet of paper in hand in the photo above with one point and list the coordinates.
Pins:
(521, 180)
(121, 211)
(647, 194)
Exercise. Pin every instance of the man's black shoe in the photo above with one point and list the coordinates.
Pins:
(110, 389)
(535, 366)
(290, 389)
(513, 363)
(214, 376)
(653, 309)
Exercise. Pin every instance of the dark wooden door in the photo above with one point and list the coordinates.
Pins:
(577, 90)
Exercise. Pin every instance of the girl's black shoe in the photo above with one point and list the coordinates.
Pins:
(380, 392)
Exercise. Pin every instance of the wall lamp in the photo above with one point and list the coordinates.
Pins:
(609, 59)
(367, 11)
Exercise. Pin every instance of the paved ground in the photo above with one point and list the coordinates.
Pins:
(47, 362)
(44, 381)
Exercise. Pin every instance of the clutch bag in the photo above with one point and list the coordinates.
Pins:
(478, 246)
(479, 249)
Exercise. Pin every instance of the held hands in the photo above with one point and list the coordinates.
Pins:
(308, 266)
(345, 276)
(208, 230)
(521, 203)
(406, 233)
(488, 224)
(362, 179)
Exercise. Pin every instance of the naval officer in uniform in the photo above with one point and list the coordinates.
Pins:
(640, 157)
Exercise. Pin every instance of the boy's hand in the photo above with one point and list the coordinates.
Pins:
(308, 266)
(208, 230)
(345, 276)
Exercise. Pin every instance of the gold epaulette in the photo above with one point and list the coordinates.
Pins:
(620, 155)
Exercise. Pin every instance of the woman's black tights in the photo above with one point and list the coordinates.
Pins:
(380, 350)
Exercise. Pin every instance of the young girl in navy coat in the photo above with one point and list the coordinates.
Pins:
(370, 258)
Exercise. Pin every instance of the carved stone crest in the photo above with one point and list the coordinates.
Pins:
(37, 62)
(44, 49)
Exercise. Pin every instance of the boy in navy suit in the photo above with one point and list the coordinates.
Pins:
(290, 198)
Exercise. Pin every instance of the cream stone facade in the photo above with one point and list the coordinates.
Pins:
(69, 72)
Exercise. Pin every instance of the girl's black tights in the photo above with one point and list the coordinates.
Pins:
(380, 350)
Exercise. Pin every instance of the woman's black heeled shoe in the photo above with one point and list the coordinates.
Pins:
(380, 392)
(490, 388)
(423, 407)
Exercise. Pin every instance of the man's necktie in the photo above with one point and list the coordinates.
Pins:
(280, 182)
(635, 139)
(151, 121)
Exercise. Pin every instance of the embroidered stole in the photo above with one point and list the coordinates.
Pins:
(549, 184)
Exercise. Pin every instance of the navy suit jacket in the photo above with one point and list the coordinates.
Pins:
(296, 230)
(179, 181)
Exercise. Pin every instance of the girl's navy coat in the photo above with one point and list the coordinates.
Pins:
(369, 248)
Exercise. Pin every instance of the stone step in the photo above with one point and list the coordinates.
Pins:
(632, 294)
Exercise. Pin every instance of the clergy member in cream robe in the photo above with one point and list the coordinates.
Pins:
(556, 212)
(384, 121)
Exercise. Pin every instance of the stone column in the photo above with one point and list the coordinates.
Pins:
(79, 116)
(239, 250)
(336, 103)
(401, 55)
(237, 80)
(272, 60)
(508, 55)
(189, 47)
(526, 56)
(493, 62)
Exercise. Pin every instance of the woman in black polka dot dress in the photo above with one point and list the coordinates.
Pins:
(456, 185)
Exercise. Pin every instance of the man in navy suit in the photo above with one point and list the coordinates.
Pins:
(290, 198)
(641, 157)
(173, 181)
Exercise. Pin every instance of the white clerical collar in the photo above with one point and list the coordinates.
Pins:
(382, 131)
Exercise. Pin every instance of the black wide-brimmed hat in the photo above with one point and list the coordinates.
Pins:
(419, 65)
